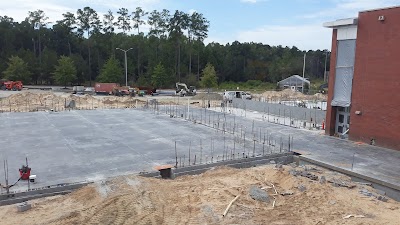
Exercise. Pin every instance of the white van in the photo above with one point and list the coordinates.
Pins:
(230, 95)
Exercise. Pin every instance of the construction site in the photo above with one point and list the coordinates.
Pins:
(186, 160)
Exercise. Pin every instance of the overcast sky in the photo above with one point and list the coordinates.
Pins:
(274, 22)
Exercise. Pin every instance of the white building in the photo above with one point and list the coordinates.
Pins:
(294, 82)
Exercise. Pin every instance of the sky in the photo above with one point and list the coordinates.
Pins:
(273, 22)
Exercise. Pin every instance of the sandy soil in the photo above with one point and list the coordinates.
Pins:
(202, 199)
(38, 100)
(289, 95)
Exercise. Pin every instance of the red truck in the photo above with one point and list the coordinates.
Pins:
(105, 88)
(11, 85)
(147, 90)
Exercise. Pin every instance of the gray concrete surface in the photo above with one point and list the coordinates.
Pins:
(91, 145)
(378, 163)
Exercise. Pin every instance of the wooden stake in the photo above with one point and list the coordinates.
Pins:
(229, 206)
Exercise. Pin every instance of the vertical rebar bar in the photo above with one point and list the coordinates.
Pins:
(176, 156)
(190, 145)
(254, 147)
(264, 145)
(201, 151)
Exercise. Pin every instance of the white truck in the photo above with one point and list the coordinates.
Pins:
(230, 95)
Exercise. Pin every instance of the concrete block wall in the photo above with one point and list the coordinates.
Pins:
(296, 113)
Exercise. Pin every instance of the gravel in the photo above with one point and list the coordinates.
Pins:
(258, 194)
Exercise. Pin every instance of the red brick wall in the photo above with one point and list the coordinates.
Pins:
(376, 82)
(331, 111)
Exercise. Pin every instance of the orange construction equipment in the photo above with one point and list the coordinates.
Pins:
(25, 171)
(12, 85)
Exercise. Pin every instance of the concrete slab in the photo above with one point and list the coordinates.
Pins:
(92, 145)
(378, 163)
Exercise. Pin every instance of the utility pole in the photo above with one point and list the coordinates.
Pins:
(126, 64)
(304, 70)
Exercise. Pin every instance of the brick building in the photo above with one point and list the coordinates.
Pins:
(364, 81)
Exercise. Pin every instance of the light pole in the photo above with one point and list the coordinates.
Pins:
(326, 59)
(126, 64)
(304, 70)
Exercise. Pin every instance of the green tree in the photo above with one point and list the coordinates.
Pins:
(159, 78)
(137, 18)
(108, 22)
(197, 28)
(177, 23)
(209, 78)
(38, 19)
(88, 21)
(111, 72)
(17, 70)
(124, 20)
(65, 71)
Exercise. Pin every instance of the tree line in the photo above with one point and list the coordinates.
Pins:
(173, 49)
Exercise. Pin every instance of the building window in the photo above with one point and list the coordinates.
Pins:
(340, 129)
(341, 118)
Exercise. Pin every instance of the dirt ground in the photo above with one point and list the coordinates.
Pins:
(289, 95)
(202, 199)
(31, 101)
(38, 100)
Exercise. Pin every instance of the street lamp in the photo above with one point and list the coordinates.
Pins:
(126, 64)
(304, 70)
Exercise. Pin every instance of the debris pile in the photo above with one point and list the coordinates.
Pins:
(258, 195)
(39, 101)
(208, 96)
(289, 95)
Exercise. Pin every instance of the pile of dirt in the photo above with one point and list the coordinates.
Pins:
(208, 96)
(321, 96)
(288, 94)
(36, 101)
(202, 199)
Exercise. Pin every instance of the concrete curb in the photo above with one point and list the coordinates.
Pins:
(12, 198)
(283, 158)
(392, 190)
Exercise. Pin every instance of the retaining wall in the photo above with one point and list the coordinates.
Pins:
(297, 113)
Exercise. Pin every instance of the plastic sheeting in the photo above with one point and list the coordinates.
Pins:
(346, 52)
(344, 73)
(343, 86)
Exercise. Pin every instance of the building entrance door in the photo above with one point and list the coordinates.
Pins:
(342, 124)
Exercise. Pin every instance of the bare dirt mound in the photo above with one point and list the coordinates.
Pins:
(202, 199)
(288, 94)
(208, 96)
(33, 101)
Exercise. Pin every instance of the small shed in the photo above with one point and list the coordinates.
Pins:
(294, 82)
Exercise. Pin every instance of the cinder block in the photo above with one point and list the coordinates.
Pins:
(22, 207)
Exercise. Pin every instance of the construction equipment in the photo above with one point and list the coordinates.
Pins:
(105, 88)
(2, 86)
(146, 90)
(25, 171)
(123, 91)
(78, 90)
(11, 85)
(183, 90)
